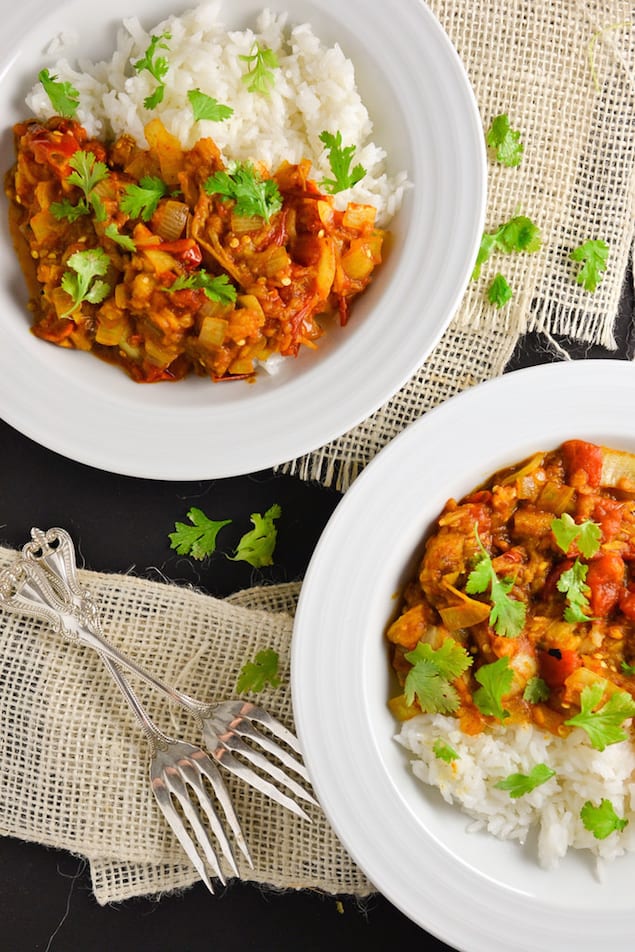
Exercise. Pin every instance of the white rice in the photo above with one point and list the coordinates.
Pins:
(552, 810)
(315, 90)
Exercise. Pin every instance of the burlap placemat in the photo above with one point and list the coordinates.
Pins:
(72, 761)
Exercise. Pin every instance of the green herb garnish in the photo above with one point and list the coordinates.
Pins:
(252, 194)
(505, 141)
(519, 234)
(340, 158)
(587, 535)
(432, 673)
(87, 173)
(517, 784)
(499, 291)
(256, 674)
(157, 66)
(496, 681)
(261, 61)
(443, 751)
(216, 288)
(572, 583)
(257, 546)
(64, 97)
(536, 690)
(198, 539)
(602, 820)
(82, 282)
(124, 241)
(140, 201)
(206, 107)
(507, 615)
(603, 724)
(593, 256)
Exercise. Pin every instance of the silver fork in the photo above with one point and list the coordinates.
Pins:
(44, 582)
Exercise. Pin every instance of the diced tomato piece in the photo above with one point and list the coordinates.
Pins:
(608, 513)
(185, 249)
(556, 664)
(605, 579)
(580, 455)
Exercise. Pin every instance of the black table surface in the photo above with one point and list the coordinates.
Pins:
(46, 902)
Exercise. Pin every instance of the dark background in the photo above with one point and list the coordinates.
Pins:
(46, 903)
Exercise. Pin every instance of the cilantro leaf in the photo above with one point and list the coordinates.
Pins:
(64, 97)
(602, 820)
(505, 141)
(496, 681)
(66, 209)
(216, 288)
(87, 171)
(499, 291)
(519, 234)
(536, 690)
(124, 241)
(81, 282)
(252, 194)
(256, 674)
(157, 66)
(603, 724)
(340, 161)
(593, 256)
(261, 62)
(587, 535)
(518, 784)
(140, 201)
(206, 107)
(257, 546)
(628, 669)
(433, 670)
(443, 751)
(572, 583)
(199, 539)
(507, 615)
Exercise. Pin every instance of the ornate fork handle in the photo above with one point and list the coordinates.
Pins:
(44, 583)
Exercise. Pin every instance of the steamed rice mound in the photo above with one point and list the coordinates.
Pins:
(314, 90)
(552, 809)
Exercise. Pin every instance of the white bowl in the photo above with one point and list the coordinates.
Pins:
(424, 112)
(475, 892)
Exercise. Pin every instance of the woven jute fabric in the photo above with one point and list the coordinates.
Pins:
(73, 763)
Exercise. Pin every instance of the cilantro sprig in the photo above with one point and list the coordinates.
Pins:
(587, 536)
(519, 234)
(217, 288)
(242, 184)
(603, 724)
(602, 820)
(518, 784)
(443, 751)
(504, 141)
(140, 201)
(432, 673)
(593, 257)
(199, 538)
(83, 279)
(507, 615)
(258, 545)
(63, 96)
(87, 173)
(340, 158)
(261, 62)
(499, 291)
(156, 65)
(206, 107)
(496, 681)
(256, 674)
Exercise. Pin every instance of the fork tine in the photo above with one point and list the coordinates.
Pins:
(207, 767)
(246, 709)
(232, 742)
(191, 774)
(164, 799)
(242, 770)
(246, 729)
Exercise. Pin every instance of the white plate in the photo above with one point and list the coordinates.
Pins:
(425, 115)
(473, 891)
